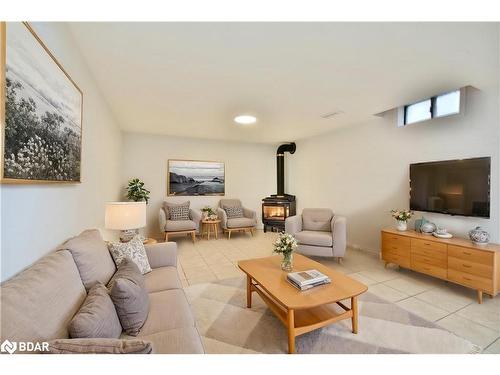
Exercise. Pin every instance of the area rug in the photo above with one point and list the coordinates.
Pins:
(227, 327)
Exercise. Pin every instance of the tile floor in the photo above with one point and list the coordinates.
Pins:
(451, 306)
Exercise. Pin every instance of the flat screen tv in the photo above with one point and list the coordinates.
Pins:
(455, 187)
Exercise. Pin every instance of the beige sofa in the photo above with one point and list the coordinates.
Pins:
(38, 304)
(319, 232)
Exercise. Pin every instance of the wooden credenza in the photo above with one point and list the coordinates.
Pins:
(456, 260)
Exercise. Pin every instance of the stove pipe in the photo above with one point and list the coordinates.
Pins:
(280, 165)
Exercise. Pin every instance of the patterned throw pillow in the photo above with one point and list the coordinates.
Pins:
(234, 212)
(134, 249)
(179, 212)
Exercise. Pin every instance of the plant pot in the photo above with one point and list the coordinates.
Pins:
(287, 262)
(401, 225)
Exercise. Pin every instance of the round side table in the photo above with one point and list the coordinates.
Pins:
(208, 226)
(149, 241)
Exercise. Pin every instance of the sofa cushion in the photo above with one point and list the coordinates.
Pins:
(240, 222)
(179, 225)
(134, 250)
(130, 297)
(168, 205)
(234, 212)
(97, 316)
(168, 309)
(99, 346)
(162, 278)
(317, 219)
(315, 238)
(185, 340)
(38, 303)
(92, 257)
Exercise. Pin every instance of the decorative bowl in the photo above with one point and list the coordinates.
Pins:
(479, 236)
(428, 228)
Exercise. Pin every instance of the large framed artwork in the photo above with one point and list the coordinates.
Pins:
(193, 177)
(40, 112)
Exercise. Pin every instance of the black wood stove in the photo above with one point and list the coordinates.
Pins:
(277, 207)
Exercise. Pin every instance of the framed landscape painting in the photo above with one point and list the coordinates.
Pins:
(41, 112)
(191, 177)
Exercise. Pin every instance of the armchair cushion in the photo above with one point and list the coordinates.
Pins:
(234, 212)
(168, 205)
(179, 212)
(179, 225)
(240, 222)
(317, 219)
(315, 238)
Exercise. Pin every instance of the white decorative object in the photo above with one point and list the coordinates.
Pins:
(479, 236)
(428, 228)
(402, 225)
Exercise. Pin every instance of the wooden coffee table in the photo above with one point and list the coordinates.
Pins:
(302, 311)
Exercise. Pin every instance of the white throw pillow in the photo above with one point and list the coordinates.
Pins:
(134, 249)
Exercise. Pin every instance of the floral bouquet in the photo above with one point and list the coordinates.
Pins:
(209, 213)
(285, 244)
(401, 215)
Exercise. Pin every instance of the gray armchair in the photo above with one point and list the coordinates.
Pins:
(319, 232)
(169, 226)
(246, 223)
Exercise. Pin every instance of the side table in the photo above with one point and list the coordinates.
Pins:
(208, 226)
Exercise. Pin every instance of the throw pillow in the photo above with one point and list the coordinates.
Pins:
(99, 346)
(134, 249)
(96, 317)
(234, 212)
(179, 212)
(129, 294)
(168, 205)
(92, 257)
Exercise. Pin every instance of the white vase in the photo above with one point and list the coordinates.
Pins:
(402, 225)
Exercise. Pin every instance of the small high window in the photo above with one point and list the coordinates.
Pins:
(438, 106)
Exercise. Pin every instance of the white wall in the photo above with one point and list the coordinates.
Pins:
(250, 169)
(37, 218)
(361, 171)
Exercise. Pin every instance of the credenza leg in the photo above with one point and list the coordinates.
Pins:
(479, 296)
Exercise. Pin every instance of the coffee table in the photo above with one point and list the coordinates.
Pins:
(302, 311)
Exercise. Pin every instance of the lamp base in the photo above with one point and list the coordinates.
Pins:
(127, 235)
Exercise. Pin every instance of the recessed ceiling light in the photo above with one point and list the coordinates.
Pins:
(245, 119)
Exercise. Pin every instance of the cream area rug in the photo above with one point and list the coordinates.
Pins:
(227, 327)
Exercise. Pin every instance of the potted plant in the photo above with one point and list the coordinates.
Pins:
(285, 244)
(136, 191)
(401, 216)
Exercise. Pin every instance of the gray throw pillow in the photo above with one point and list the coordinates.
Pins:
(134, 249)
(179, 213)
(234, 212)
(168, 205)
(129, 294)
(99, 346)
(96, 317)
(92, 257)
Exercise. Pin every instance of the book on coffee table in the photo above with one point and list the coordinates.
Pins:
(304, 280)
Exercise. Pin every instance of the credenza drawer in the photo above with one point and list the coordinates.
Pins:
(436, 254)
(472, 281)
(436, 247)
(478, 269)
(429, 269)
(394, 239)
(429, 260)
(396, 249)
(403, 261)
(472, 255)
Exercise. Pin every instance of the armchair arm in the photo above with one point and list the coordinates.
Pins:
(293, 224)
(250, 214)
(222, 217)
(162, 220)
(196, 216)
(339, 232)
(162, 254)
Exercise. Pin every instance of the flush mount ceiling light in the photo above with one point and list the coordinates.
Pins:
(245, 119)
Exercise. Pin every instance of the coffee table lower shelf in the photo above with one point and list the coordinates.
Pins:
(300, 321)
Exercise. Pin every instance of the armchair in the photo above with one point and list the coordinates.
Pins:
(246, 223)
(319, 232)
(169, 226)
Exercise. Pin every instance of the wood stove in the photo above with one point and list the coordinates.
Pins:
(277, 207)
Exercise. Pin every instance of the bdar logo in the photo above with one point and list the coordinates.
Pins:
(8, 346)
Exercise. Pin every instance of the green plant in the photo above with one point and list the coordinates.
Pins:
(136, 191)
(208, 210)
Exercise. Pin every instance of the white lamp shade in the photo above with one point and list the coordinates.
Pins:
(125, 215)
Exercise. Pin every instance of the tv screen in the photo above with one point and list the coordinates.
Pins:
(455, 187)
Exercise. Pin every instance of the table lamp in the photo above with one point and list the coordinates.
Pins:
(127, 217)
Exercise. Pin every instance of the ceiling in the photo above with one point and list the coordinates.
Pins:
(192, 79)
